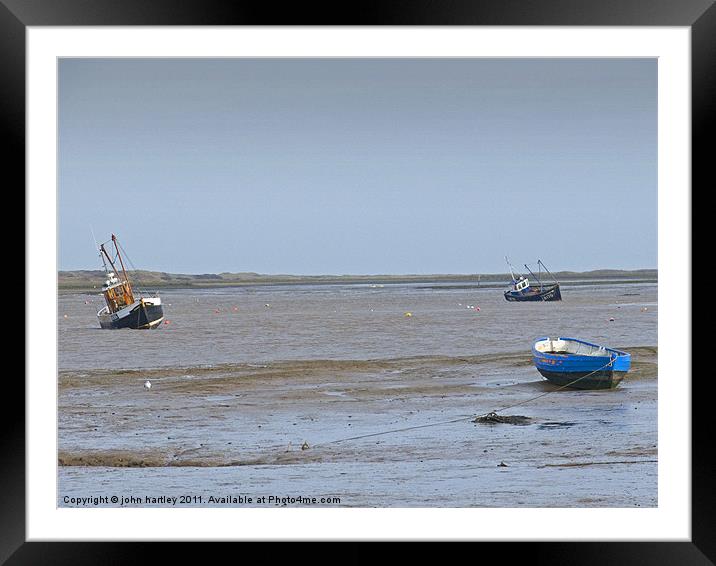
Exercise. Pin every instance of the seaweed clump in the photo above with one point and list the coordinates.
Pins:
(494, 418)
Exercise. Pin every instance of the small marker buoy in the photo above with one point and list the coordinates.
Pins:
(147, 384)
(166, 322)
(65, 316)
(305, 446)
(408, 314)
(611, 320)
(267, 305)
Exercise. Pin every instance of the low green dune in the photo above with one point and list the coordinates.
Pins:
(87, 280)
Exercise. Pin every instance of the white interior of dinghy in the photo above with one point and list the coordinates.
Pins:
(562, 346)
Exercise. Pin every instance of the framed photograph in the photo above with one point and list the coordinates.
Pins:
(420, 276)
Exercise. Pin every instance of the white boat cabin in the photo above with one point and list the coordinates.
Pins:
(522, 284)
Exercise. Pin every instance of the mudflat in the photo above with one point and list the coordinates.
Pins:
(332, 395)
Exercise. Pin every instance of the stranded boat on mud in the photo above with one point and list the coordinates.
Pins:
(580, 364)
(123, 310)
(521, 290)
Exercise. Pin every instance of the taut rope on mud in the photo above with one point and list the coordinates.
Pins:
(489, 417)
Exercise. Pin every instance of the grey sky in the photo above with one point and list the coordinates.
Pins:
(361, 166)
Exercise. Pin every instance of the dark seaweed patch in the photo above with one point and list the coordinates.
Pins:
(494, 418)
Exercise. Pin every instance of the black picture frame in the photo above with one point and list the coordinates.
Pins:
(17, 15)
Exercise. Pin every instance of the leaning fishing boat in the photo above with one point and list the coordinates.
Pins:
(579, 364)
(123, 309)
(521, 289)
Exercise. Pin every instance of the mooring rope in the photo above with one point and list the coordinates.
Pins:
(459, 419)
(395, 430)
(610, 362)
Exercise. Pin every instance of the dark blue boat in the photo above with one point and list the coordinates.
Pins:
(521, 290)
(579, 364)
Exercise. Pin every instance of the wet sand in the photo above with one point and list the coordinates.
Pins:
(374, 431)
(291, 428)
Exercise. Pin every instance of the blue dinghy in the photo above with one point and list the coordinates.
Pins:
(580, 364)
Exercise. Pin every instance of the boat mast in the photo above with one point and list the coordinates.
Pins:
(533, 275)
(539, 267)
(111, 263)
(128, 294)
(511, 271)
(101, 254)
(119, 255)
(547, 270)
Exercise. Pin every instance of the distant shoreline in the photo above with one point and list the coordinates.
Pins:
(91, 281)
